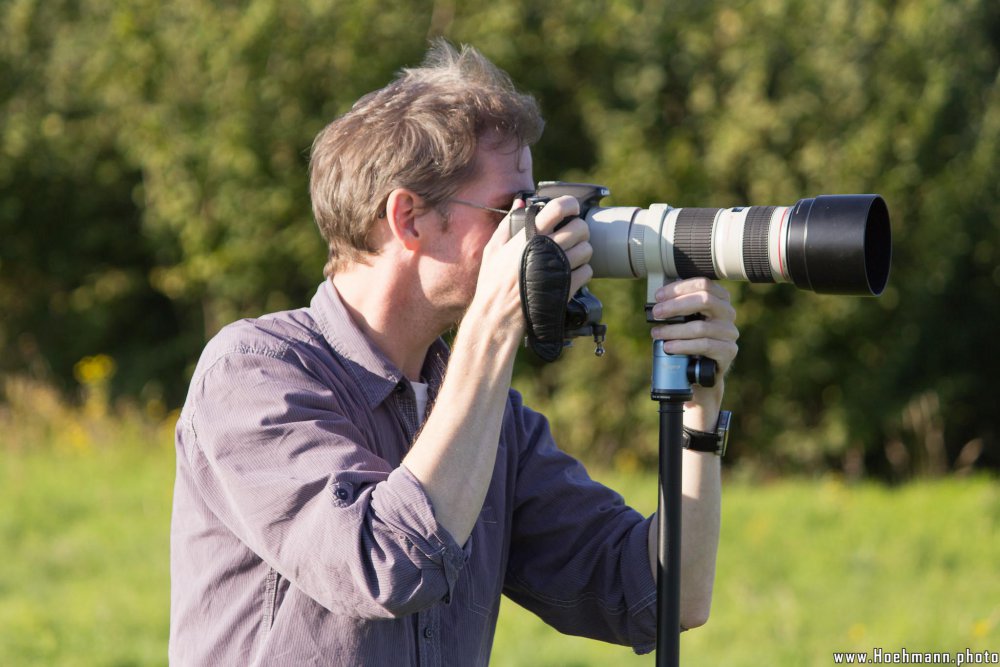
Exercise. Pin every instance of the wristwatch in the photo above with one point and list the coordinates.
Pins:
(700, 441)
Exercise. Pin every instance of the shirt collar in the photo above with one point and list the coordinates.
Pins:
(375, 374)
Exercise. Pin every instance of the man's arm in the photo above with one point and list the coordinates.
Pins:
(714, 337)
(700, 523)
(282, 460)
(454, 454)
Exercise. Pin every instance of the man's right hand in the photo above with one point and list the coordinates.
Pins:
(497, 291)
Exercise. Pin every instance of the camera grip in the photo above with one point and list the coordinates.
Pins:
(545, 284)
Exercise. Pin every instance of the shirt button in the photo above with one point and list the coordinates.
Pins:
(401, 387)
(342, 494)
(428, 633)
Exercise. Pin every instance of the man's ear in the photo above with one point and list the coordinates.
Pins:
(402, 209)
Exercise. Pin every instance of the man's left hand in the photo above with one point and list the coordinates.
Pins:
(713, 337)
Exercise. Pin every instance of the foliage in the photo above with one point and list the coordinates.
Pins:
(153, 187)
(806, 567)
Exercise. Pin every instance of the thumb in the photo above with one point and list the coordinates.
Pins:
(502, 234)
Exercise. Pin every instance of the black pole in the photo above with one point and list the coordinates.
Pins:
(668, 581)
(673, 375)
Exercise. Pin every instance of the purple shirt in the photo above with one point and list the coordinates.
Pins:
(299, 539)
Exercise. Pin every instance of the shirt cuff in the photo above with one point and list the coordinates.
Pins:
(640, 588)
(402, 505)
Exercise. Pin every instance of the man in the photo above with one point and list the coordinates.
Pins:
(349, 491)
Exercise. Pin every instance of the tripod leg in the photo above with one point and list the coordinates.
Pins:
(668, 583)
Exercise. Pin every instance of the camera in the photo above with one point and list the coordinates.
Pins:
(828, 244)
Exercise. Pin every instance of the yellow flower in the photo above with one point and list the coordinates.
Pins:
(94, 370)
(76, 437)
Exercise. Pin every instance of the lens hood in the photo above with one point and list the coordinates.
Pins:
(840, 244)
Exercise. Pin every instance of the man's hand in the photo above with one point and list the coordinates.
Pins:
(713, 337)
(574, 238)
(497, 290)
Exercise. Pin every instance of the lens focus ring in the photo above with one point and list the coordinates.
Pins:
(756, 263)
(693, 243)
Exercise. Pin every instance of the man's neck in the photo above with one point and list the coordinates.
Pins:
(383, 307)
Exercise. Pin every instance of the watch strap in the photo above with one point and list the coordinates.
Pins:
(711, 442)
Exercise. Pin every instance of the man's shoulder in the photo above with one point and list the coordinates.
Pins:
(281, 335)
(515, 402)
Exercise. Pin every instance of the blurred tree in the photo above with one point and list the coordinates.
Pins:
(727, 103)
(153, 174)
(153, 188)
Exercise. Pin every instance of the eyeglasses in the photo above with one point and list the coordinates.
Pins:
(500, 213)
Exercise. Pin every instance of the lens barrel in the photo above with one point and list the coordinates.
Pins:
(830, 244)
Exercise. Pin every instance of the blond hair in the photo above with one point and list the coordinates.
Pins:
(420, 132)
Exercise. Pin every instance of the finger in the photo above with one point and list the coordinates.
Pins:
(579, 254)
(722, 352)
(580, 277)
(555, 212)
(505, 223)
(707, 304)
(575, 231)
(690, 286)
(717, 329)
(502, 233)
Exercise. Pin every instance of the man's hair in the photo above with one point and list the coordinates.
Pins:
(420, 132)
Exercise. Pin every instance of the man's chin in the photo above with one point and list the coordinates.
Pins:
(453, 314)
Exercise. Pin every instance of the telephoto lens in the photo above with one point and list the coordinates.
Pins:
(829, 244)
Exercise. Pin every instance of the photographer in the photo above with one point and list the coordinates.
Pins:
(351, 491)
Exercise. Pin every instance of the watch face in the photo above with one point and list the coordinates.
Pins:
(722, 429)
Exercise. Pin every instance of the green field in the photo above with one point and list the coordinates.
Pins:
(806, 567)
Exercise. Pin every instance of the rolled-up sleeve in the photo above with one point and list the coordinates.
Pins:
(579, 555)
(284, 463)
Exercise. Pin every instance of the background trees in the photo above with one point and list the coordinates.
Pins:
(153, 188)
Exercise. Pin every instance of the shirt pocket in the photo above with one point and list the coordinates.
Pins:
(480, 582)
(274, 587)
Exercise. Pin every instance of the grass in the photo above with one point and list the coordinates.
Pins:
(806, 567)
(85, 579)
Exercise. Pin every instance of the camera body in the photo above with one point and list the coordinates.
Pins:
(584, 310)
(588, 194)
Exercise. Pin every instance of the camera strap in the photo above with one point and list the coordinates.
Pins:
(545, 283)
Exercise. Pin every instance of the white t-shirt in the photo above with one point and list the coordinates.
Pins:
(420, 390)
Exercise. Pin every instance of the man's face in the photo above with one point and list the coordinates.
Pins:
(502, 171)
